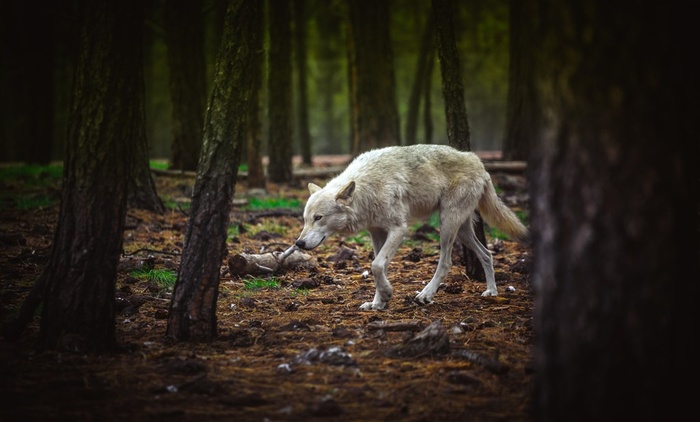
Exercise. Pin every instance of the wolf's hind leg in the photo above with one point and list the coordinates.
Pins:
(469, 239)
(388, 242)
(449, 226)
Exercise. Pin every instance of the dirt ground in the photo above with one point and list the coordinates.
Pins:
(301, 350)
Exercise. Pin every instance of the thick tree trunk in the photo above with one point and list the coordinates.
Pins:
(193, 308)
(184, 26)
(279, 169)
(375, 117)
(615, 214)
(80, 278)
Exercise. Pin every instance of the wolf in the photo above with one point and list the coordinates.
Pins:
(384, 190)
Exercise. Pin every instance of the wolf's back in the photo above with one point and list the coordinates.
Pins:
(497, 214)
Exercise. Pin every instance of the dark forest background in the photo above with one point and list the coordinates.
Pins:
(39, 44)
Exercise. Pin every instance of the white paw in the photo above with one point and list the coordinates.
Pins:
(423, 298)
(368, 306)
(490, 292)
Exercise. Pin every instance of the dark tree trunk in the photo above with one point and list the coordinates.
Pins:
(256, 171)
(193, 308)
(375, 117)
(455, 110)
(279, 169)
(615, 223)
(423, 69)
(300, 22)
(522, 111)
(184, 27)
(142, 187)
(77, 286)
(452, 88)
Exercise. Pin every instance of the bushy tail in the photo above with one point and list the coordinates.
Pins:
(497, 214)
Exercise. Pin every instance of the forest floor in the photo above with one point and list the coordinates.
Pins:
(293, 346)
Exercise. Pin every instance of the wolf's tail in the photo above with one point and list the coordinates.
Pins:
(497, 214)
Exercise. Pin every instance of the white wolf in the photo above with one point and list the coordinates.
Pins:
(383, 189)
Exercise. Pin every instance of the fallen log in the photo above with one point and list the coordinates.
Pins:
(270, 263)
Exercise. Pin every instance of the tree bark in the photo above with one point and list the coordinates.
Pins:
(522, 111)
(256, 171)
(615, 223)
(192, 314)
(279, 169)
(375, 117)
(457, 123)
(300, 22)
(79, 280)
(184, 27)
(455, 111)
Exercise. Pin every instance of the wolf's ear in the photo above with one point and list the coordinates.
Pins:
(313, 188)
(344, 196)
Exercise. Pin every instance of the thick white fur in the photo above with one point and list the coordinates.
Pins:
(384, 189)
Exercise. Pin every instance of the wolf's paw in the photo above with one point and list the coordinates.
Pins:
(422, 299)
(490, 292)
(368, 306)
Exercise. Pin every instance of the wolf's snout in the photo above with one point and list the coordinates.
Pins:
(300, 243)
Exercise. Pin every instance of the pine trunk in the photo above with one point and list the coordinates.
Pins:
(193, 307)
(615, 215)
(80, 278)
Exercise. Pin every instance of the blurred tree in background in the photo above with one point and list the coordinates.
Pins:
(38, 47)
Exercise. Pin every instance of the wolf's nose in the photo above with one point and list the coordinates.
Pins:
(300, 243)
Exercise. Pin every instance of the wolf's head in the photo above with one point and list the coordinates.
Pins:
(326, 212)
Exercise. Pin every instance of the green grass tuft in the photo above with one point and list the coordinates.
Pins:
(258, 283)
(255, 204)
(163, 278)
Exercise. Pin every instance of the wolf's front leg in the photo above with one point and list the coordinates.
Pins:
(383, 289)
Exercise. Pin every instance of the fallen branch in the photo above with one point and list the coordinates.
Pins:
(395, 326)
(491, 364)
(270, 263)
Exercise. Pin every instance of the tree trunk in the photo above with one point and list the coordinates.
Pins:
(192, 314)
(455, 111)
(522, 110)
(419, 81)
(375, 117)
(256, 171)
(615, 223)
(142, 188)
(184, 27)
(80, 278)
(300, 22)
(452, 89)
(279, 169)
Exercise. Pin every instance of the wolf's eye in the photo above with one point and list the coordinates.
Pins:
(317, 217)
